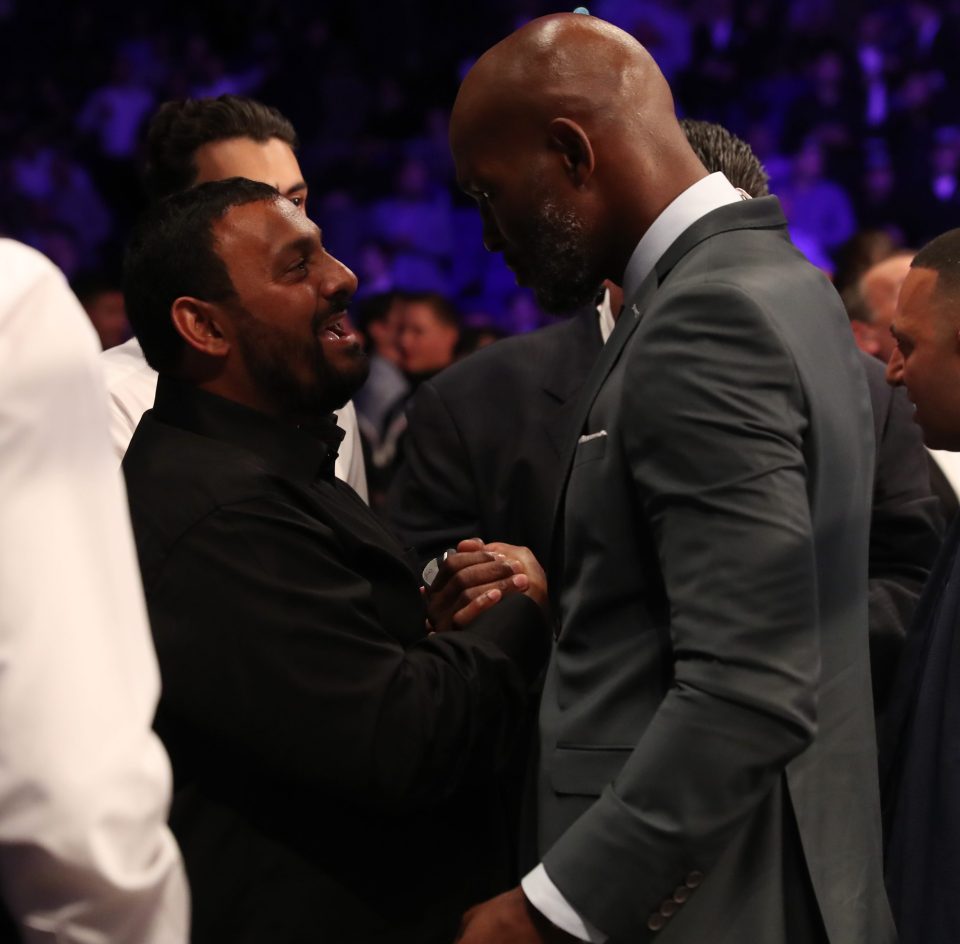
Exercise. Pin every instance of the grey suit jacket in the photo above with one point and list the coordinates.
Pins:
(708, 769)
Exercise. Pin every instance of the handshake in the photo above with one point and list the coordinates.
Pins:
(468, 581)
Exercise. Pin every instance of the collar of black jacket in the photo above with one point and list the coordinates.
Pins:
(294, 451)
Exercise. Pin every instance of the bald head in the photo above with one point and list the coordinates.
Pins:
(573, 65)
(565, 133)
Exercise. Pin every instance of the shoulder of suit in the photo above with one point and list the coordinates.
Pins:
(519, 354)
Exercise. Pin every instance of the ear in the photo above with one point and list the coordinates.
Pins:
(865, 336)
(571, 141)
(201, 324)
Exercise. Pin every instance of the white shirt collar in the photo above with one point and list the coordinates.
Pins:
(608, 320)
(695, 202)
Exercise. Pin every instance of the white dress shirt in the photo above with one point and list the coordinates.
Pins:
(85, 853)
(710, 193)
(132, 385)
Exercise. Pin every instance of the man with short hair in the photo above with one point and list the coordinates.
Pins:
(334, 761)
(707, 758)
(428, 335)
(190, 142)
(919, 741)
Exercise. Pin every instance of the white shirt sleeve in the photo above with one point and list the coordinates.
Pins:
(546, 898)
(349, 466)
(131, 389)
(85, 853)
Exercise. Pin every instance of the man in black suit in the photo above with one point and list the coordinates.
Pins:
(707, 767)
(485, 438)
(333, 762)
(919, 773)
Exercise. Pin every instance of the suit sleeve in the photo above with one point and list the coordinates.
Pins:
(433, 500)
(906, 531)
(719, 477)
(294, 670)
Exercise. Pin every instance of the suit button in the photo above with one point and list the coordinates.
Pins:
(668, 908)
(656, 921)
(693, 879)
(680, 894)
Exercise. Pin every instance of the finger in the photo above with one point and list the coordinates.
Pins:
(453, 568)
(470, 544)
(462, 586)
(471, 609)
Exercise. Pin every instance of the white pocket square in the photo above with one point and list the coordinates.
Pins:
(586, 437)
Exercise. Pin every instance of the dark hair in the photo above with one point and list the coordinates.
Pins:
(443, 308)
(180, 128)
(942, 255)
(171, 254)
(720, 150)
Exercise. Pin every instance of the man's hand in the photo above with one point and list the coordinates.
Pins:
(477, 577)
(509, 919)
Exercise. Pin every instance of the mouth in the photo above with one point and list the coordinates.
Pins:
(335, 327)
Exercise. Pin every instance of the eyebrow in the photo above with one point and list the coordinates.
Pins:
(302, 244)
(296, 188)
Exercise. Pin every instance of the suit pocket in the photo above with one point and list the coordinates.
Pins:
(585, 771)
(590, 449)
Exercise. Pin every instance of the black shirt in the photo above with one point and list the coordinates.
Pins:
(332, 763)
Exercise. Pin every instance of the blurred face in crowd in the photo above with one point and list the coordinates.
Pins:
(880, 287)
(927, 357)
(385, 333)
(108, 314)
(293, 352)
(426, 341)
(270, 162)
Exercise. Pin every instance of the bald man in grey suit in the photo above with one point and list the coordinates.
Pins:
(707, 763)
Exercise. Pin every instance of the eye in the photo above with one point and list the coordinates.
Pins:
(296, 201)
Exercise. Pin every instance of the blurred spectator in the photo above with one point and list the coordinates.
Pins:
(873, 303)
(429, 331)
(102, 300)
(386, 389)
(818, 209)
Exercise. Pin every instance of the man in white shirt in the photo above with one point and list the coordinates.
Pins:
(707, 768)
(85, 853)
(190, 142)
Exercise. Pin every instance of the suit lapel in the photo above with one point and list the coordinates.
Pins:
(762, 213)
(568, 368)
(581, 405)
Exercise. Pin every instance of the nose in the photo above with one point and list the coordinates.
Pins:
(337, 282)
(895, 368)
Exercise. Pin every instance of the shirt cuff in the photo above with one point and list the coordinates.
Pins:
(546, 898)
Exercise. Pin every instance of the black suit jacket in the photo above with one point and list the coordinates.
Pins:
(906, 526)
(485, 437)
(332, 763)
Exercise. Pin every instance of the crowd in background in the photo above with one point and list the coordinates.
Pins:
(848, 106)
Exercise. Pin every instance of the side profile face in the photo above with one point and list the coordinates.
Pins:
(527, 216)
(297, 354)
(270, 162)
(426, 341)
(927, 357)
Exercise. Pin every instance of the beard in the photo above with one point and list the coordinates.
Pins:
(294, 372)
(559, 271)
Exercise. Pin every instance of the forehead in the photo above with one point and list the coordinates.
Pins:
(918, 301)
(270, 162)
(259, 231)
